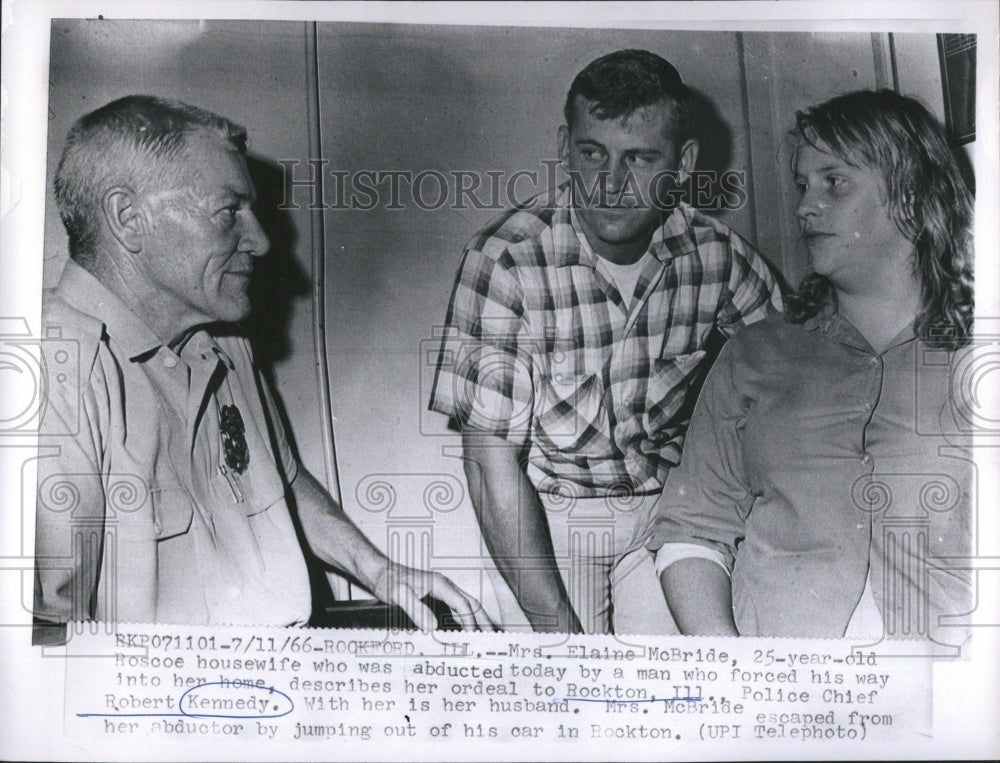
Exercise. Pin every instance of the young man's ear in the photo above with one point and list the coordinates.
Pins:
(123, 217)
(687, 159)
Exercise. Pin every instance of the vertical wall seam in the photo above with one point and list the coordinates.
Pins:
(745, 105)
(892, 62)
(318, 238)
(317, 228)
(879, 57)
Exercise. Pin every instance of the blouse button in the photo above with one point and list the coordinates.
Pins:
(170, 361)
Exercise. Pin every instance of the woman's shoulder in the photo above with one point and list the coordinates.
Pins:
(769, 337)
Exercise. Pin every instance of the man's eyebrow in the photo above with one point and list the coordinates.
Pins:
(643, 151)
(238, 194)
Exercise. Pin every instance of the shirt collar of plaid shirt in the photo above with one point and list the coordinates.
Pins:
(674, 238)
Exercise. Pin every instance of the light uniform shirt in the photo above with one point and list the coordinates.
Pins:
(136, 519)
(815, 466)
(542, 349)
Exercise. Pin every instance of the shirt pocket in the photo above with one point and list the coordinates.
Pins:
(173, 511)
(670, 381)
(572, 419)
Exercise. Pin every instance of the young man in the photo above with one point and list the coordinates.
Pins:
(167, 497)
(575, 335)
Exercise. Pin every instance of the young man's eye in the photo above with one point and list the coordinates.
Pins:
(638, 160)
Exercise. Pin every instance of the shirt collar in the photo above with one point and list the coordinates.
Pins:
(202, 345)
(841, 330)
(674, 238)
(88, 295)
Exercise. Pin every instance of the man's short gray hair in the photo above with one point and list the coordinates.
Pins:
(130, 142)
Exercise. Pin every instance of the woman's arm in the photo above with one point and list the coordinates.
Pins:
(706, 499)
(699, 594)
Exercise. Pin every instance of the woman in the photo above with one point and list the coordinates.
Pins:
(817, 493)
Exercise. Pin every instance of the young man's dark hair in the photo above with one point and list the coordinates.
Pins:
(618, 84)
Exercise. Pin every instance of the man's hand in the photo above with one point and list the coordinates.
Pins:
(335, 539)
(405, 587)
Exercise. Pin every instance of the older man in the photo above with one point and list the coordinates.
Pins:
(575, 337)
(167, 500)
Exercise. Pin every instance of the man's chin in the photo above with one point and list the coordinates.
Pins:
(232, 310)
(623, 234)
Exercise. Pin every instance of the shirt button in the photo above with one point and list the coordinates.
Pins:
(868, 406)
(866, 458)
(170, 361)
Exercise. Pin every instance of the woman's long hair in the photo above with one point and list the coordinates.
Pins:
(928, 201)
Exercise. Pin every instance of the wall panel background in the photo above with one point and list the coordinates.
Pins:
(407, 98)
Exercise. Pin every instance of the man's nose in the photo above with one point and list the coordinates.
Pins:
(253, 240)
(617, 175)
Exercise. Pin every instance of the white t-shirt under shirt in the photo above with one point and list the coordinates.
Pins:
(624, 277)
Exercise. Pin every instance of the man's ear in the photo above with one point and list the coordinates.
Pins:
(124, 218)
(563, 145)
(687, 160)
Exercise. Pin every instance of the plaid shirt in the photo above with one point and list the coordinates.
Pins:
(540, 348)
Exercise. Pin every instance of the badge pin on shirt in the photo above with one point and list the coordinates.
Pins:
(234, 447)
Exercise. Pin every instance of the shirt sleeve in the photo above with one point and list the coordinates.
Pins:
(706, 499)
(753, 292)
(669, 553)
(483, 376)
(70, 499)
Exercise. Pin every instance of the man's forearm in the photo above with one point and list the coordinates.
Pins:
(699, 594)
(516, 532)
(331, 534)
(335, 539)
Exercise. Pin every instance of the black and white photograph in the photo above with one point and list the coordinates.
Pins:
(385, 381)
